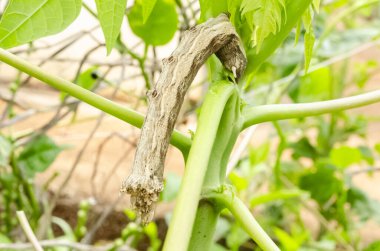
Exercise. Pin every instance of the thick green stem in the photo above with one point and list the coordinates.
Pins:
(207, 214)
(180, 229)
(134, 118)
(228, 199)
(204, 227)
(265, 113)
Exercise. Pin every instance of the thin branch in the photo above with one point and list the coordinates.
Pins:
(28, 230)
(61, 243)
(365, 170)
(123, 113)
(240, 211)
(265, 113)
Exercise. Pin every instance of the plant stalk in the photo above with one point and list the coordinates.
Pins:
(242, 214)
(181, 225)
(259, 114)
(179, 140)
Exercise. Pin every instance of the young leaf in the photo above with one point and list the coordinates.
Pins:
(38, 155)
(267, 18)
(25, 21)
(147, 6)
(161, 25)
(307, 19)
(110, 14)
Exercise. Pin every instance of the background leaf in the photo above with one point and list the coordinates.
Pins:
(147, 6)
(25, 21)
(38, 155)
(110, 14)
(345, 156)
(87, 79)
(161, 25)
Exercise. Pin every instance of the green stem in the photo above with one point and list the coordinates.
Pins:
(265, 113)
(204, 226)
(185, 211)
(179, 140)
(242, 214)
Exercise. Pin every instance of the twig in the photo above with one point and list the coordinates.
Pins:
(61, 243)
(197, 45)
(365, 170)
(28, 230)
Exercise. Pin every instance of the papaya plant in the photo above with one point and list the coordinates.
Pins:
(235, 39)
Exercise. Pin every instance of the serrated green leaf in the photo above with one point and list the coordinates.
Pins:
(110, 15)
(161, 25)
(25, 21)
(147, 6)
(38, 155)
(267, 18)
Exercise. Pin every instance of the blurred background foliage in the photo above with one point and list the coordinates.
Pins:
(298, 179)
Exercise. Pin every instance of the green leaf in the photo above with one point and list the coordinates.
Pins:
(25, 21)
(374, 246)
(321, 184)
(315, 86)
(267, 18)
(211, 9)
(5, 151)
(365, 207)
(110, 14)
(345, 156)
(161, 25)
(294, 10)
(239, 182)
(87, 79)
(38, 155)
(147, 6)
(288, 243)
(303, 148)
